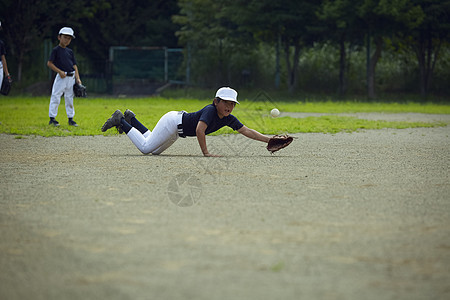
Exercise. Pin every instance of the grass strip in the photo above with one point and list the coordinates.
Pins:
(29, 116)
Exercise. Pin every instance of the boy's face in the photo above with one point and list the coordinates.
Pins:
(224, 107)
(64, 40)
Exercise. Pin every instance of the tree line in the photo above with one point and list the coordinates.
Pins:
(226, 41)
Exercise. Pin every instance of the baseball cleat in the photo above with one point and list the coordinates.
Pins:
(53, 122)
(128, 115)
(114, 121)
(73, 123)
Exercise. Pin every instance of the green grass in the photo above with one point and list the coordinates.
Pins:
(364, 107)
(24, 116)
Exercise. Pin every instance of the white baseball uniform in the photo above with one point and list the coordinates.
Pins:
(63, 59)
(62, 86)
(1, 72)
(2, 52)
(176, 124)
(162, 137)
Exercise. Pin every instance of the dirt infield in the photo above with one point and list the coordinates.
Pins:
(361, 215)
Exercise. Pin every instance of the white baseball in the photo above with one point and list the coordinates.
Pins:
(275, 112)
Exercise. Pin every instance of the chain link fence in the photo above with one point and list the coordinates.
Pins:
(135, 71)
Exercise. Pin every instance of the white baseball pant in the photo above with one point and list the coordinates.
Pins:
(62, 86)
(162, 137)
(1, 72)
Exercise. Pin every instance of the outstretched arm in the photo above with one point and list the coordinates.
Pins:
(253, 134)
(201, 138)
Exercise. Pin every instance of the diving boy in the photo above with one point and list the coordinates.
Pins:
(177, 124)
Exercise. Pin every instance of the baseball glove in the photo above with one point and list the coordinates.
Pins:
(79, 90)
(278, 142)
(6, 85)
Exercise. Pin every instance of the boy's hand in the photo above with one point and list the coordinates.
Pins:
(62, 74)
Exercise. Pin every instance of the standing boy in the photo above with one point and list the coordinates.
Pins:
(3, 65)
(176, 124)
(62, 61)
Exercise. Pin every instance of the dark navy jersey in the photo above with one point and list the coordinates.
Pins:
(208, 114)
(63, 59)
(2, 48)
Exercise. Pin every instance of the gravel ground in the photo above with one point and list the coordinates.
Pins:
(361, 215)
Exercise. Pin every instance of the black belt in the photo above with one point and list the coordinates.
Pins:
(180, 126)
(180, 131)
(70, 74)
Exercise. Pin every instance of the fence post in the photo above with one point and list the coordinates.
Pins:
(166, 65)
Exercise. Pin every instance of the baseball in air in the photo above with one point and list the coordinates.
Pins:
(274, 112)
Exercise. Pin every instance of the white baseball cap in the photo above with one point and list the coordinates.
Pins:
(67, 31)
(227, 93)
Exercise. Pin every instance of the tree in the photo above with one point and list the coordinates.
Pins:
(126, 23)
(98, 24)
(29, 22)
(427, 39)
(213, 39)
(221, 28)
(342, 26)
(25, 25)
(291, 23)
(384, 18)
